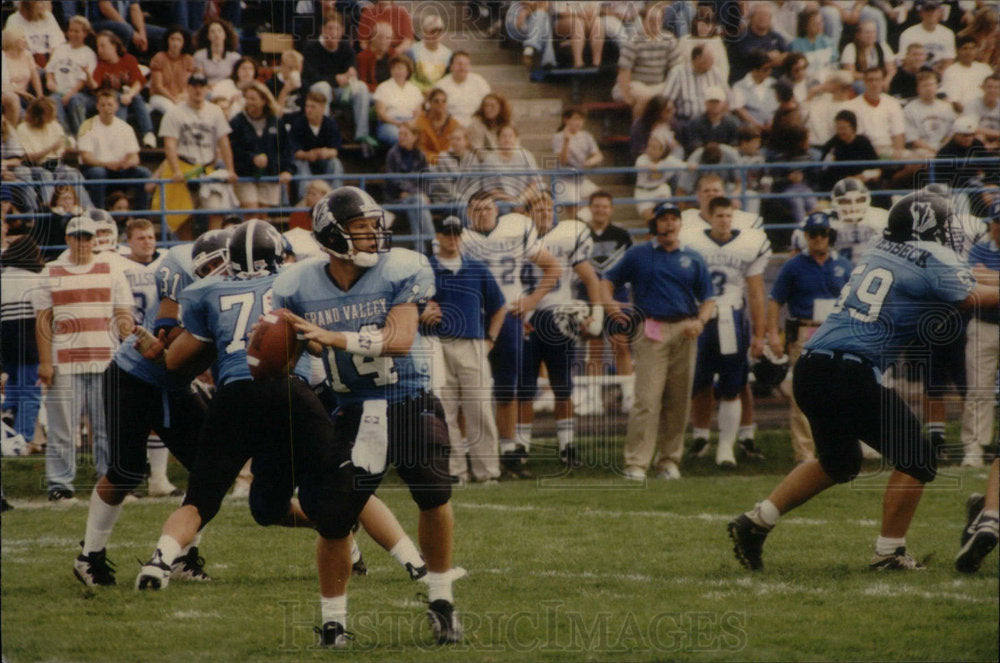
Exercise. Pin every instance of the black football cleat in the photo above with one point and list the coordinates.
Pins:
(94, 569)
(748, 541)
(444, 622)
(333, 635)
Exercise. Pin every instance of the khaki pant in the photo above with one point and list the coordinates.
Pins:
(467, 383)
(982, 351)
(664, 372)
(802, 439)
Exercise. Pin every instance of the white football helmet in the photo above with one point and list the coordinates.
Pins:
(105, 229)
(851, 199)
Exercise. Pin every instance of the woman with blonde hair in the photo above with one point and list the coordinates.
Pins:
(44, 143)
(20, 72)
(261, 148)
(40, 28)
(68, 75)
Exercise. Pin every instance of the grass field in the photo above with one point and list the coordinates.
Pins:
(572, 568)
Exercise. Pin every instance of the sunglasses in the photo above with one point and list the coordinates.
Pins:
(818, 232)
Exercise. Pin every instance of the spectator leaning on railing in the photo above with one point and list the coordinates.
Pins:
(260, 149)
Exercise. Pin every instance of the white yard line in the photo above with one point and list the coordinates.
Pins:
(668, 515)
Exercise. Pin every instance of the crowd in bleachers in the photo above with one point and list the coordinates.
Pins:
(707, 82)
(95, 92)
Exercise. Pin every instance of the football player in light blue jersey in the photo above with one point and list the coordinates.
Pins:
(139, 396)
(241, 422)
(359, 310)
(883, 308)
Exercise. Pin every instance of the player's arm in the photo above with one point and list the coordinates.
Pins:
(43, 339)
(167, 326)
(393, 339)
(982, 296)
(773, 313)
(189, 355)
(550, 275)
(986, 276)
(755, 293)
(595, 293)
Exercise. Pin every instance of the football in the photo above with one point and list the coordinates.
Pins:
(274, 346)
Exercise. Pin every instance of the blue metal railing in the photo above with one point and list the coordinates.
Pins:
(990, 164)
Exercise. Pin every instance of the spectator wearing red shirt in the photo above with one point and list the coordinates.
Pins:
(395, 16)
(373, 62)
(119, 71)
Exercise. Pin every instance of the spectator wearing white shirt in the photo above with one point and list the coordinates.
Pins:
(936, 38)
(40, 27)
(986, 107)
(465, 89)
(397, 100)
(109, 150)
(928, 119)
(754, 98)
(68, 74)
(880, 116)
(962, 81)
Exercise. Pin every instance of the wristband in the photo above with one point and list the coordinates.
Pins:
(162, 324)
(597, 324)
(364, 343)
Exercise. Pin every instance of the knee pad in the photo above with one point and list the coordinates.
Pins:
(841, 469)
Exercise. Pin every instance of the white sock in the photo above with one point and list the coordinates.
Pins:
(405, 553)
(158, 456)
(765, 514)
(355, 551)
(702, 433)
(564, 432)
(168, 548)
(729, 422)
(195, 542)
(522, 435)
(439, 586)
(887, 546)
(101, 519)
(506, 445)
(989, 520)
(543, 384)
(334, 609)
(747, 432)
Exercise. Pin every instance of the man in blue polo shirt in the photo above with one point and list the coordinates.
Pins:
(674, 298)
(466, 314)
(809, 284)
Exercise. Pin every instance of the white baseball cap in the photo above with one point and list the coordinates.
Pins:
(81, 225)
(965, 124)
(715, 93)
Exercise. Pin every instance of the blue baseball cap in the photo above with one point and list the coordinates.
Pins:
(816, 220)
(666, 207)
